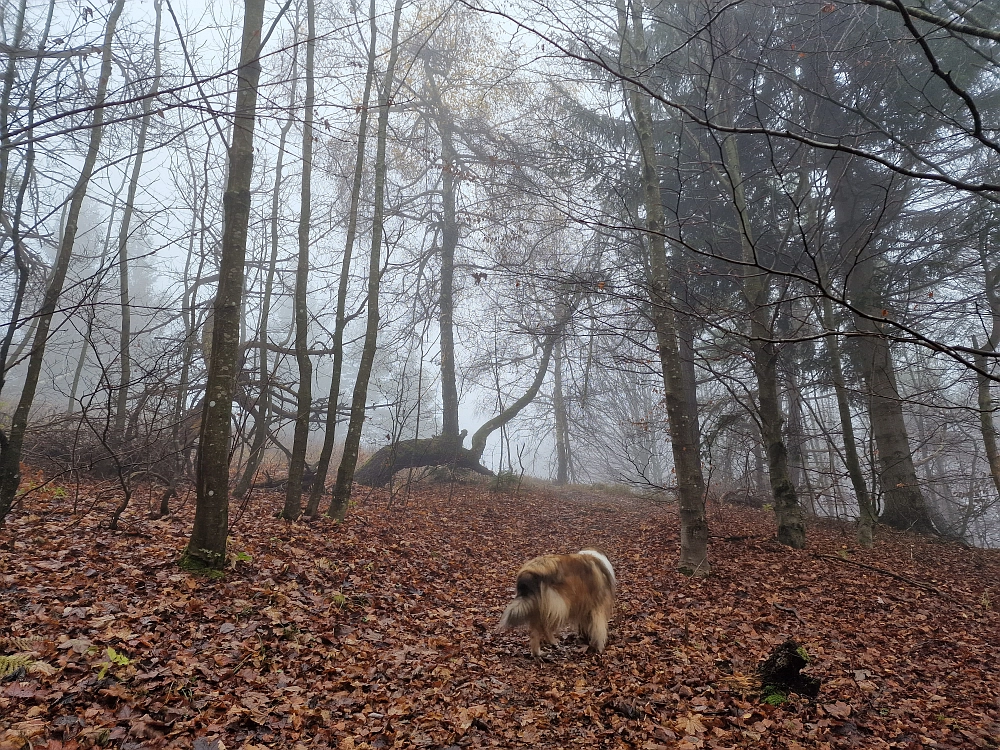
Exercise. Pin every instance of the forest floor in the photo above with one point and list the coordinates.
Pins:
(378, 632)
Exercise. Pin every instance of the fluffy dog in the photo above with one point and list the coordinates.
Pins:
(554, 591)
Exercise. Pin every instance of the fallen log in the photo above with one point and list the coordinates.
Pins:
(378, 470)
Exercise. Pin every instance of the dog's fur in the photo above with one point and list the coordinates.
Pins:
(554, 591)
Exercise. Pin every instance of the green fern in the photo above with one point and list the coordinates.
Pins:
(28, 643)
(23, 658)
(10, 664)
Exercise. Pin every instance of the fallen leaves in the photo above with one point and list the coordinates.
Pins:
(378, 633)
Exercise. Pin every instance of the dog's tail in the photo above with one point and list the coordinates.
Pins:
(518, 613)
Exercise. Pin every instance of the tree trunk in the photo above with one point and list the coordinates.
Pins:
(330, 434)
(20, 285)
(349, 461)
(561, 419)
(868, 517)
(862, 199)
(757, 291)
(449, 244)
(303, 400)
(481, 435)
(11, 447)
(125, 356)
(683, 424)
(409, 454)
(207, 545)
(904, 506)
(262, 419)
(983, 384)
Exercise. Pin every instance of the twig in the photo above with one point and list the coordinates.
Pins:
(897, 576)
(792, 611)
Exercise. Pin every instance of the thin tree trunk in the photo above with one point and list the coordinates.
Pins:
(207, 545)
(866, 508)
(10, 74)
(449, 244)
(330, 434)
(983, 384)
(303, 401)
(756, 290)
(20, 263)
(121, 407)
(481, 435)
(10, 450)
(683, 424)
(562, 422)
(88, 341)
(349, 460)
(262, 421)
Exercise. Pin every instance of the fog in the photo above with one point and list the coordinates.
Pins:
(739, 252)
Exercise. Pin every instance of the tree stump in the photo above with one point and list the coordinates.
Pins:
(781, 671)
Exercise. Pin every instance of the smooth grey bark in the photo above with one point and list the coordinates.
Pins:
(124, 342)
(683, 424)
(11, 448)
(333, 401)
(349, 460)
(303, 399)
(207, 545)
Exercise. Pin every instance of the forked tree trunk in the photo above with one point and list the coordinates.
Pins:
(683, 424)
(349, 461)
(482, 435)
(207, 545)
(445, 450)
(333, 402)
(303, 399)
(12, 446)
(904, 506)
(862, 200)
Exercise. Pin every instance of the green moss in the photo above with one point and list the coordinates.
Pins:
(203, 562)
(773, 696)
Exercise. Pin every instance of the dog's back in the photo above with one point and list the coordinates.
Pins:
(558, 590)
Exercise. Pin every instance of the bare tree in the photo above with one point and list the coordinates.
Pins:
(207, 545)
(349, 460)
(10, 450)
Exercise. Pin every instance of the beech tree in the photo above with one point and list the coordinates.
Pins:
(207, 545)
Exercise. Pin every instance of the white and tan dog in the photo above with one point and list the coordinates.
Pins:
(555, 591)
